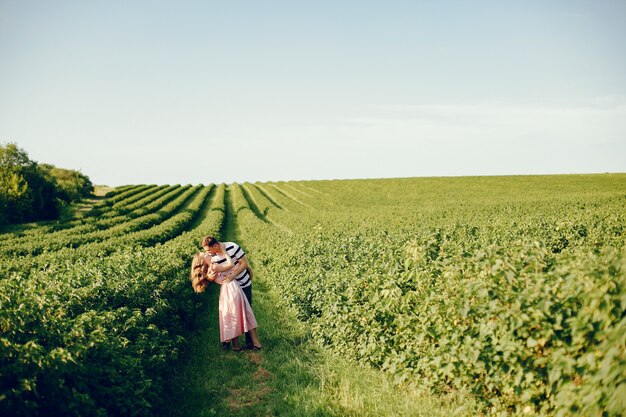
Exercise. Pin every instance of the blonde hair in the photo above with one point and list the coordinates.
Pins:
(198, 273)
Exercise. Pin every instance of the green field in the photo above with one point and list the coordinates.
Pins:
(413, 296)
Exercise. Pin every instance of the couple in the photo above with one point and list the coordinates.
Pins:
(226, 264)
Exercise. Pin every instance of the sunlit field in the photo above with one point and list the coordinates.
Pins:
(453, 296)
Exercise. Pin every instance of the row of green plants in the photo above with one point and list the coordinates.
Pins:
(174, 225)
(85, 332)
(91, 221)
(42, 228)
(161, 209)
(118, 202)
(511, 288)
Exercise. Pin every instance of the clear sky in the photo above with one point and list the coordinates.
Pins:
(189, 92)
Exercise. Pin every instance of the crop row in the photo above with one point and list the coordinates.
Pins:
(518, 298)
(115, 242)
(88, 223)
(169, 204)
(96, 334)
(53, 226)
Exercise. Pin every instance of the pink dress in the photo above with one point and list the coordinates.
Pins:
(236, 316)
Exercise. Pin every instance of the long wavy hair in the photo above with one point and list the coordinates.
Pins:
(198, 275)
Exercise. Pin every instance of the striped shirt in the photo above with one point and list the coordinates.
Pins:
(236, 253)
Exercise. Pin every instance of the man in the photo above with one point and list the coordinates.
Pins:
(243, 277)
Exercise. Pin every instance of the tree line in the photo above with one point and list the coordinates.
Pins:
(32, 191)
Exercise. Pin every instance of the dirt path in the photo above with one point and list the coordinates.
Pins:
(240, 398)
(213, 381)
(229, 232)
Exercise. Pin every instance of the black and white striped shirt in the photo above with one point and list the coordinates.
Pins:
(236, 253)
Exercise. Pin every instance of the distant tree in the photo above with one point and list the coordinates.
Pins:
(15, 171)
(73, 185)
(48, 197)
(31, 191)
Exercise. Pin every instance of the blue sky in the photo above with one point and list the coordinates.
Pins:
(195, 92)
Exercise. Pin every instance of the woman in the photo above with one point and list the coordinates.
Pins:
(235, 314)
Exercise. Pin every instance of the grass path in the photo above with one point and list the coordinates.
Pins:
(291, 376)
